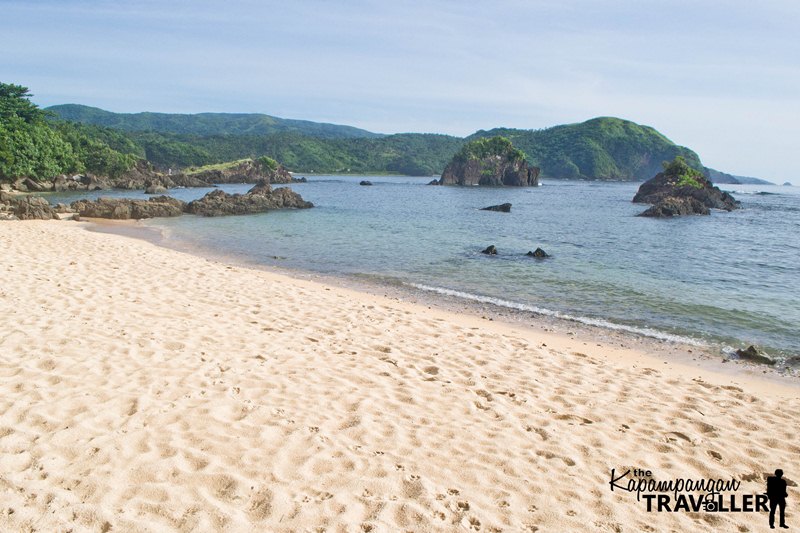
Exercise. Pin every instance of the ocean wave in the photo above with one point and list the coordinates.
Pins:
(644, 331)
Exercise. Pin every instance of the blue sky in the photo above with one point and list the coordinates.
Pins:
(722, 77)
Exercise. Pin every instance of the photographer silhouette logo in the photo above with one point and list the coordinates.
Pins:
(701, 495)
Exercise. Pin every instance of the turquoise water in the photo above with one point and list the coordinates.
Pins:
(730, 279)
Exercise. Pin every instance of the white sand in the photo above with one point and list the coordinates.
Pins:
(143, 389)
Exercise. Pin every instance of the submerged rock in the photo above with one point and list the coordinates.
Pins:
(502, 208)
(490, 162)
(259, 199)
(752, 354)
(538, 254)
(126, 208)
(490, 250)
(682, 190)
(365, 183)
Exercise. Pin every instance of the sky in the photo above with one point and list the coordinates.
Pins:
(721, 77)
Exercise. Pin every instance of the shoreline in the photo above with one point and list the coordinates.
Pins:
(688, 355)
(148, 389)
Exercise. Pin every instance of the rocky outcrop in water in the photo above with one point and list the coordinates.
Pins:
(490, 250)
(538, 254)
(259, 199)
(126, 208)
(502, 208)
(490, 162)
(365, 183)
(682, 190)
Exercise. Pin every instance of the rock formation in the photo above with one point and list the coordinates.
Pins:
(502, 208)
(682, 190)
(259, 199)
(365, 183)
(752, 354)
(245, 171)
(490, 250)
(538, 254)
(126, 208)
(490, 162)
(21, 207)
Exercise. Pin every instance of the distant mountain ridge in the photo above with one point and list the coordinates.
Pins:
(205, 124)
(721, 177)
(603, 148)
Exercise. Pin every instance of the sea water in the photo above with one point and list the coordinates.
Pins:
(729, 279)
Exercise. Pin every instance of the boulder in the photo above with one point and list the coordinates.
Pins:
(261, 198)
(5, 187)
(301, 179)
(538, 254)
(490, 250)
(36, 186)
(32, 208)
(752, 354)
(502, 208)
(434, 182)
(787, 184)
(490, 162)
(95, 183)
(365, 183)
(682, 190)
(154, 188)
(126, 208)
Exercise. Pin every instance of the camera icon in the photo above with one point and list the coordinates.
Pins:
(709, 505)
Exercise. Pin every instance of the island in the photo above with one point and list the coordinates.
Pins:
(682, 190)
(490, 162)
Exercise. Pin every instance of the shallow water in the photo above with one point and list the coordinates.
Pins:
(729, 279)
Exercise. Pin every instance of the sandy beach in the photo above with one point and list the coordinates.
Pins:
(146, 389)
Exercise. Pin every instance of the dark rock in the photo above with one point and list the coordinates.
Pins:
(435, 182)
(682, 190)
(538, 254)
(490, 250)
(96, 183)
(301, 179)
(752, 354)
(787, 184)
(32, 208)
(490, 162)
(672, 206)
(259, 199)
(503, 208)
(125, 208)
(365, 183)
(154, 188)
(35, 186)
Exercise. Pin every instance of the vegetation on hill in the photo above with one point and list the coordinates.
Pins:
(603, 148)
(204, 123)
(32, 147)
(681, 174)
(485, 147)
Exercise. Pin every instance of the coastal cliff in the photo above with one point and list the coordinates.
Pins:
(490, 162)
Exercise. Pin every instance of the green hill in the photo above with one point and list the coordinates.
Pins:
(603, 148)
(204, 123)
